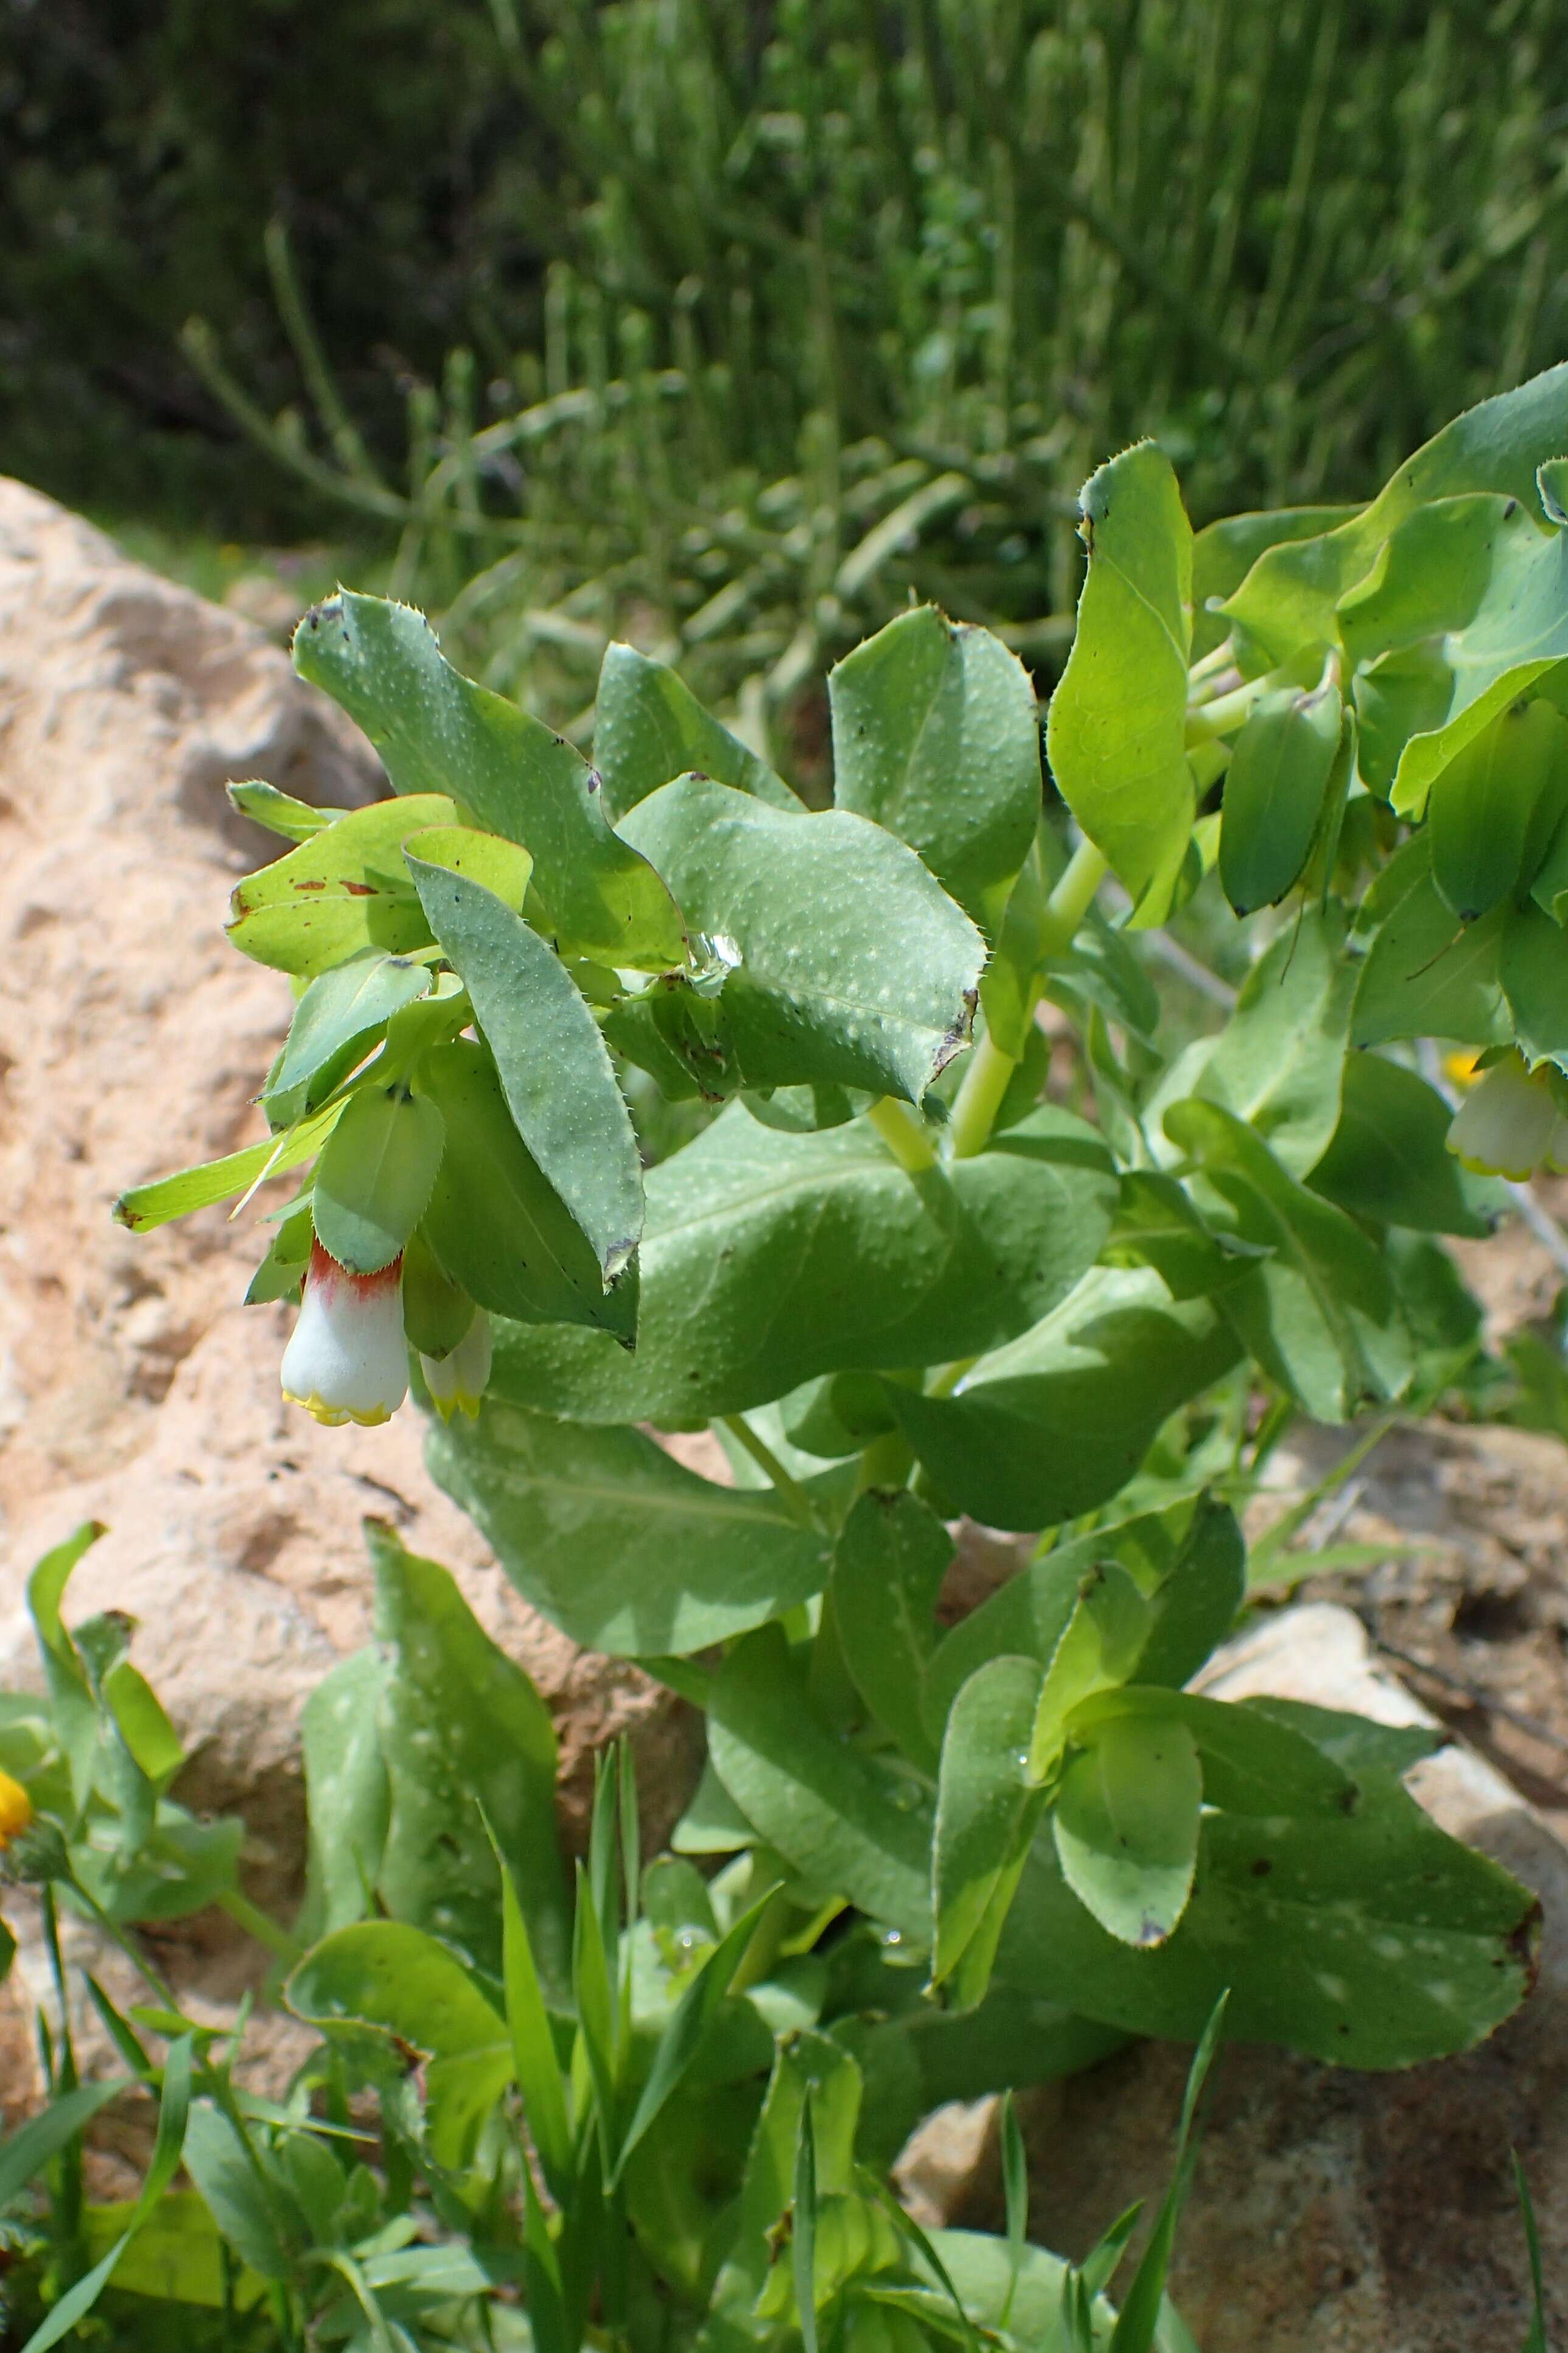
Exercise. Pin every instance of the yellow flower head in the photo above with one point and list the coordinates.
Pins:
(16, 1810)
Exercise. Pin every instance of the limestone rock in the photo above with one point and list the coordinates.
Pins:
(135, 1389)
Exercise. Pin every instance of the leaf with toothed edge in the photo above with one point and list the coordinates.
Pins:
(438, 732)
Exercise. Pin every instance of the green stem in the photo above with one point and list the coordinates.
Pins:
(903, 1135)
(1071, 900)
(991, 1066)
(1226, 712)
(979, 1098)
(886, 1462)
(262, 1927)
(790, 1492)
(1271, 1544)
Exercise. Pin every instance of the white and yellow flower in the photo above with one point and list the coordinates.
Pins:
(458, 1380)
(1510, 1125)
(347, 1359)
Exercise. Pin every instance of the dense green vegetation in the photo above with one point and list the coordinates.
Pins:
(723, 326)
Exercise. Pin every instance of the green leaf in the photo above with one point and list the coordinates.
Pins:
(495, 1225)
(558, 1077)
(1389, 1160)
(1494, 808)
(618, 1545)
(1535, 2340)
(979, 2268)
(143, 1726)
(1322, 1315)
(1200, 1589)
(593, 1999)
(769, 1258)
(1223, 553)
(1372, 1941)
(499, 866)
(438, 732)
(1466, 610)
(892, 1555)
(1098, 1648)
(1534, 968)
(375, 1176)
(1273, 793)
(225, 2171)
(1052, 1424)
(174, 2107)
(438, 1313)
(341, 892)
(178, 2255)
(1426, 975)
(848, 1826)
(987, 1808)
(936, 737)
(533, 2056)
(296, 821)
(1138, 2324)
(649, 728)
(385, 1975)
(470, 1751)
(345, 1782)
(694, 2013)
(1116, 732)
(675, 1031)
(1278, 1061)
(849, 963)
(146, 1206)
(25, 2153)
(337, 1020)
(1158, 1226)
(1252, 1762)
(807, 2063)
(1126, 1825)
(1287, 599)
(803, 2232)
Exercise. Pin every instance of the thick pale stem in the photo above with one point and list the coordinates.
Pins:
(1226, 712)
(790, 1492)
(979, 1098)
(1073, 895)
(903, 1134)
(990, 1067)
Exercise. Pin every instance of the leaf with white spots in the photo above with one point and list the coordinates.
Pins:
(849, 965)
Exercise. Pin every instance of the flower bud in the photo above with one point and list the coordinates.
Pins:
(16, 1810)
(1509, 1125)
(347, 1359)
(458, 1380)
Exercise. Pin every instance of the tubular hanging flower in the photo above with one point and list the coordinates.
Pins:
(347, 1359)
(1509, 1125)
(458, 1381)
(16, 1810)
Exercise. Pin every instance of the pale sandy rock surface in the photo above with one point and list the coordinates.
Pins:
(134, 1387)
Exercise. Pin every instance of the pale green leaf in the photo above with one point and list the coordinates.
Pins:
(558, 1077)
(438, 732)
(1116, 732)
(936, 737)
(616, 1543)
(850, 963)
(649, 728)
